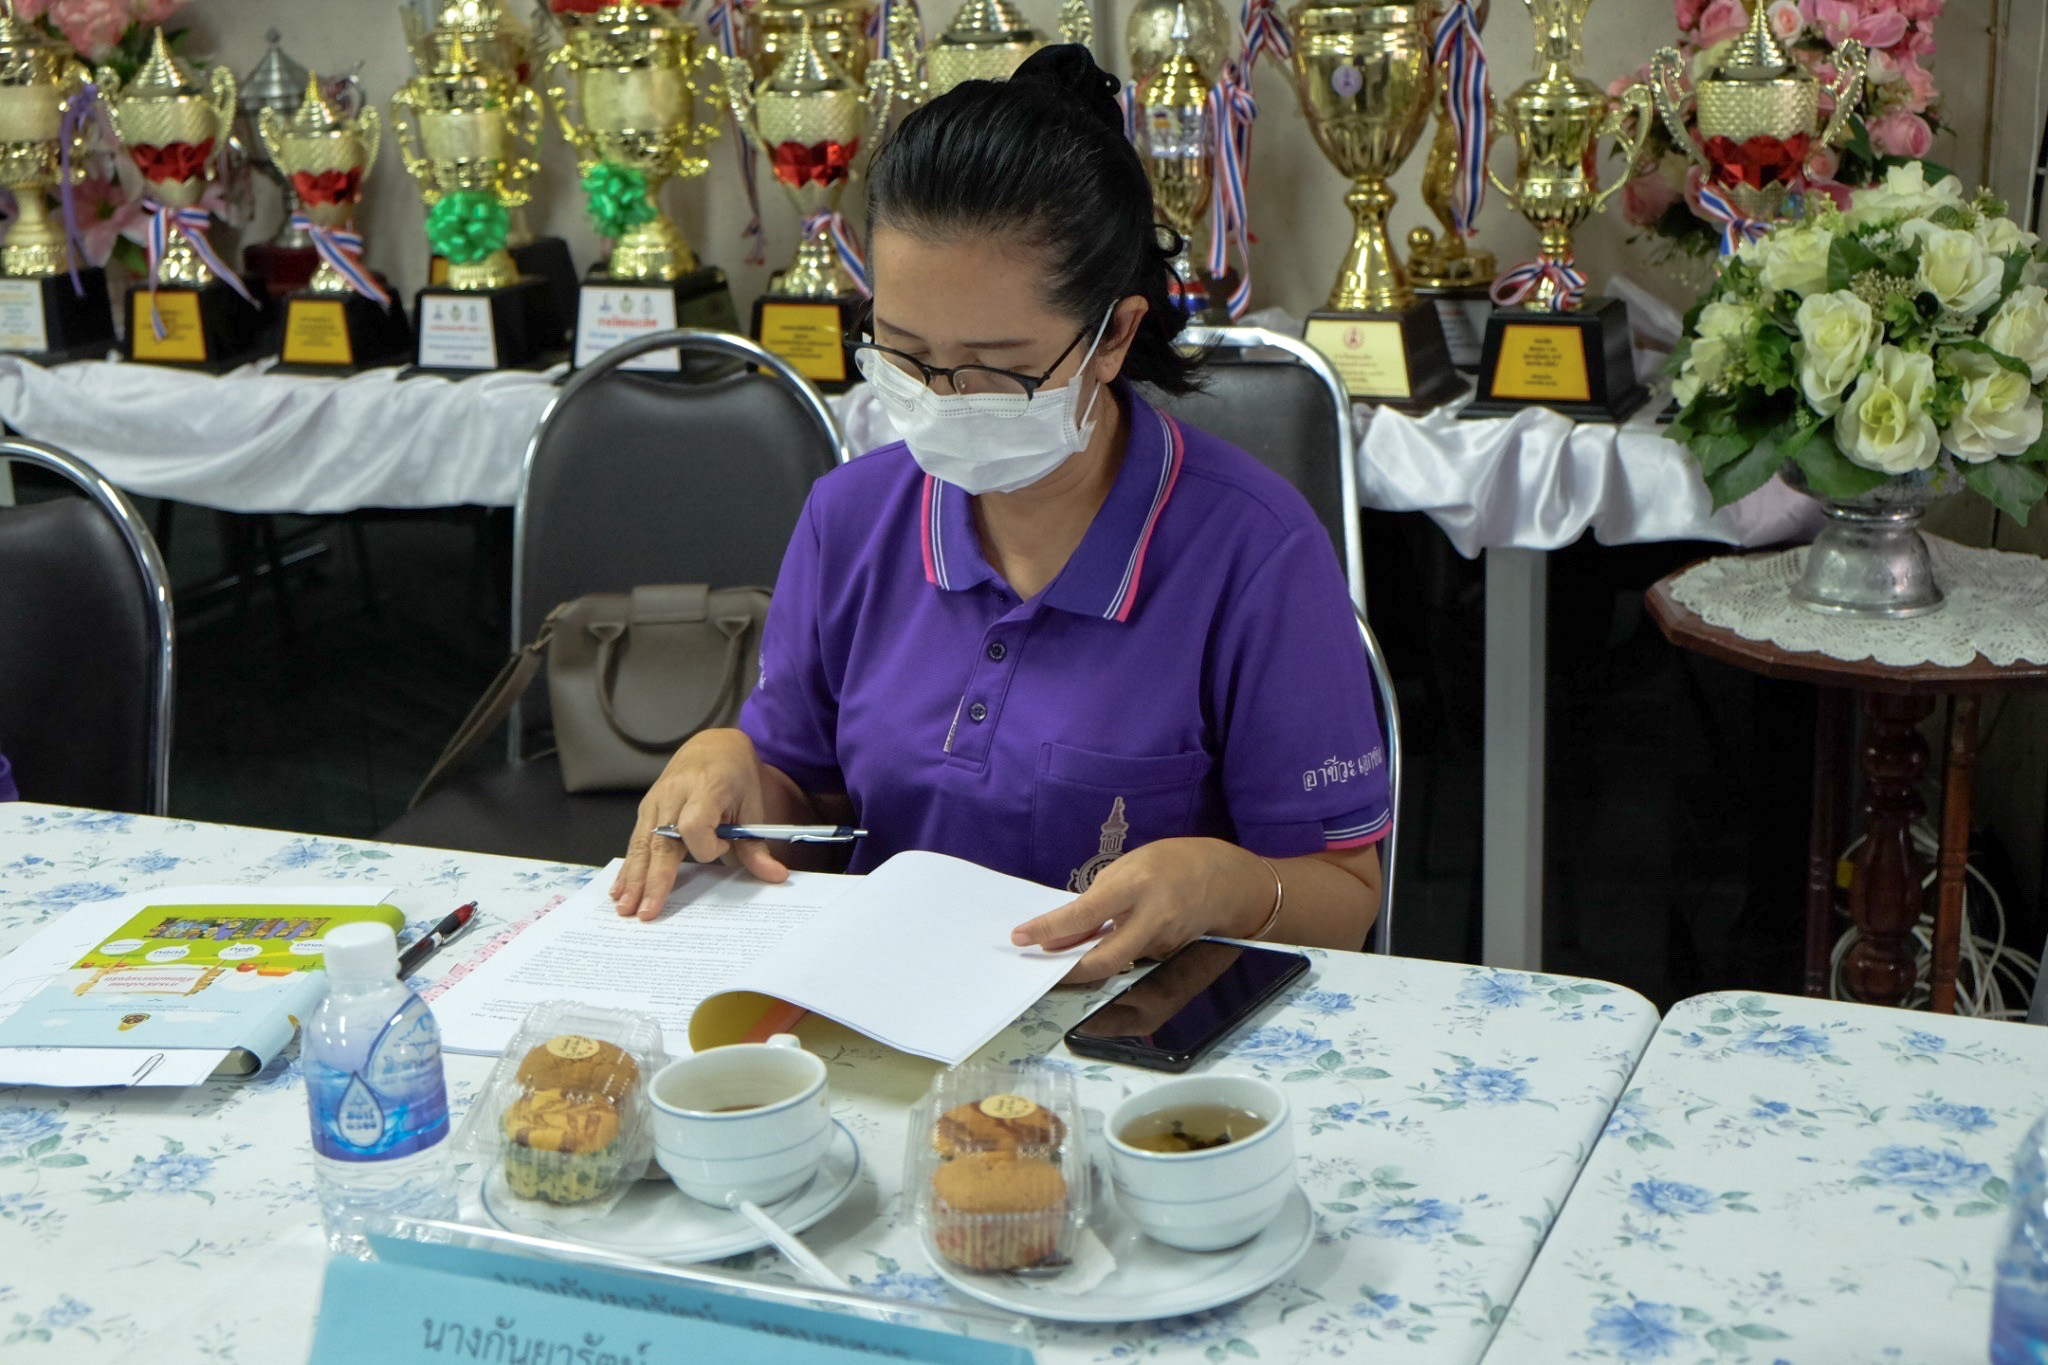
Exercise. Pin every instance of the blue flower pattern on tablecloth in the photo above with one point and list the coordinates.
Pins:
(1496, 990)
(1638, 1331)
(1672, 1198)
(1925, 1170)
(1960, 1118)
(23, 1126)
(171, 1173)
(1278, 1045)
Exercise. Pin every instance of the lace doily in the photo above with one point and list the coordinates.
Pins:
(1997, 607)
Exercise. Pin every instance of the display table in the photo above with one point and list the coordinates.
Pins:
(1441, 1112)
(1791, 1180)
(1896, 671)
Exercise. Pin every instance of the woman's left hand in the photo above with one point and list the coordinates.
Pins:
(1155, 899)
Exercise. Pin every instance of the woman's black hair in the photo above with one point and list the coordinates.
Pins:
(1042, 157)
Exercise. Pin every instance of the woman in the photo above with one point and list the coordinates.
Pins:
(1052, 631)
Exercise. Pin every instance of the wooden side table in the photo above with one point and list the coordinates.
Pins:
(1885, 897)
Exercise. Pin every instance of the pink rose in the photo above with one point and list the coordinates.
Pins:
(1823, 163)
(1881, 30)
(1688, 12)
(1722, 20)
(1644, 199)
(92, 27)
(1919, 82)
(1833, 189)
(1901, 134)
(1919, 11)
(1786, 20)
(1883, 68)
(30, 10)
(1919, 43)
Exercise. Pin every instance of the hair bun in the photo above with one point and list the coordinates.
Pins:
(1069, 69)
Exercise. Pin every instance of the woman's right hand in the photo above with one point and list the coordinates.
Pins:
(715, 778)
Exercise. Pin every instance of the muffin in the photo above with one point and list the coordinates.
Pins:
(998, 1210)
(579, 1065)
(562, 1148)
(1000, 1123)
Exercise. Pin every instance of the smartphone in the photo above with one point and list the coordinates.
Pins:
(1186, 1005)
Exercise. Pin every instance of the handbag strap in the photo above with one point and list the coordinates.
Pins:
(491, 708)
(734, 628)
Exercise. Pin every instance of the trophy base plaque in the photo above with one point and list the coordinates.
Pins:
(547, 259)
(462, 332)
(209, 327)
(1398, 360)
(45, 320)
(1463, 311)
(339, 334)
(611, 311)
(1579, 365)
(811, 335)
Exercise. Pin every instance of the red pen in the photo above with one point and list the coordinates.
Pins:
(423, 947)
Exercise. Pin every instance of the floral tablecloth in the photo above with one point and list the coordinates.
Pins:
(1442, 1114)
(1791, 1180)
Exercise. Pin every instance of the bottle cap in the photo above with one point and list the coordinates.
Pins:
(361, 952)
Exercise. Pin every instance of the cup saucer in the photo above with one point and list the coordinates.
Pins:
(659, 1222)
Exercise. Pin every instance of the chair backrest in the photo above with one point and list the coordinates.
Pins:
(633, 477)
(86, 648)
(1278, 398)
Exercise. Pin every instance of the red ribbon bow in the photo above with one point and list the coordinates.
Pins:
(173, 161)
(828, 163)
(328, 187)
(1758, 162)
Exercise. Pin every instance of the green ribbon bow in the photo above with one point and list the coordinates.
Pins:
(618, 198)
(468, 225)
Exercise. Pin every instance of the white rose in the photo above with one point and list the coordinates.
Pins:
(1904, 193)
(1837, 333)
(1798, 261)
(1885, 425)
(2020, 329)
(1725, 321)
(1955, 268)
(2000, 415)
(1685, 388)
(2002, 236)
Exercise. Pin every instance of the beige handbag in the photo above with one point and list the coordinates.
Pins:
(630, 677)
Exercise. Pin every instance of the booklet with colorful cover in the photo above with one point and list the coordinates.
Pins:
(231, 973)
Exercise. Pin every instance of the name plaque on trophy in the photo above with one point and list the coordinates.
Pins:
(457, 333)
(22, 325)
(316, 333)
(184, 328)
(809, 335)
(608, 315)
(1541, 364)
(1368, 354)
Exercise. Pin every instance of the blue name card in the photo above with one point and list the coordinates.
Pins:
(424, 1303)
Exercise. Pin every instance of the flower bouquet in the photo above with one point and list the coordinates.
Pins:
(1878, 355)
(1895, 116)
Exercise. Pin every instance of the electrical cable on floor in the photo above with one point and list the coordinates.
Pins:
(1994, 979)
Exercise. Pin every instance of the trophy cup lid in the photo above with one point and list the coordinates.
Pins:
(1179, 80)
(316, 115)
(276, 82)
(1756, 55)
(162, 76)
(988, 21)
(807, 68)
(22, 44)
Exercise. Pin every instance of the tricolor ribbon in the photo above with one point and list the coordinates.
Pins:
(1511, 289)
(723, 20)
(843, 245)
(1735, 229)
(344, 251)
(1264, 32)
(1231, 114)
(878, 29)
(1458, 53)
(80, 109)
(191, 224)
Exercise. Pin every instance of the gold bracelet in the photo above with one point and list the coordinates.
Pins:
(1279, 898)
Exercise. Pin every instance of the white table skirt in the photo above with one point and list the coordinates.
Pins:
(1441, 1112)
(1791, 1180)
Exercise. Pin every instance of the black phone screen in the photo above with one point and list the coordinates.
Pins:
(1188, 1002)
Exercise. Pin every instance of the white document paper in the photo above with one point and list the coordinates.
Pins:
(717, 921)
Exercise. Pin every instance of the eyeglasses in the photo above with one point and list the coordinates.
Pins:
(965, 379)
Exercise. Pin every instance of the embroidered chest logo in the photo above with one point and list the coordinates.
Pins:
(1114, 831)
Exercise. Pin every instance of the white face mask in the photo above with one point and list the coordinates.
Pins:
(986, 442)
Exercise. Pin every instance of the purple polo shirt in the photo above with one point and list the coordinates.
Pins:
(7, 791)
(1195, 669)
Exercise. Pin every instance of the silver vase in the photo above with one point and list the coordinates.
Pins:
(1870, 559)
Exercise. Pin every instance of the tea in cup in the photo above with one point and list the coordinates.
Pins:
(1203, 1162)
(750, 1121)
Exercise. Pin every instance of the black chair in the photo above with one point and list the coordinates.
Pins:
(85, 644)
(1277, 398)
(634, 478)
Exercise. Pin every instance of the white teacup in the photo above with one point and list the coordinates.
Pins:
(1211, 1199)
(750, 1121)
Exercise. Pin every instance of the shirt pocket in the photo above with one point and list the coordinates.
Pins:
(1089, 808)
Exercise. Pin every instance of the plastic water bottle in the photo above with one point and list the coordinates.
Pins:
(376, 1093)
(2019, 1308)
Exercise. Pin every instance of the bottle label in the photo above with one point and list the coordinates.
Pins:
(395, 1106)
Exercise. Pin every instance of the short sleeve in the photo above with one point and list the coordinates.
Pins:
(793, 713)
(1304, 765)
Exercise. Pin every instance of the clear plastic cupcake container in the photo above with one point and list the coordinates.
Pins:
(564, 1118)
(997, 1167)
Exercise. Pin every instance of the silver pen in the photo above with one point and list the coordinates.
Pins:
(794, 834)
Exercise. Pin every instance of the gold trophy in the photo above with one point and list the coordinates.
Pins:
(1546, 344)
(1174, 145)
(51, 307)
(987, 40)
(631, 118)
(840, 28)
(1150, 34)
(1365, 78)
(173, 129)
(809, 118)
(466, 131)
(1758, 119)
(343, 320)
(493, 38)
(1441, 267)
